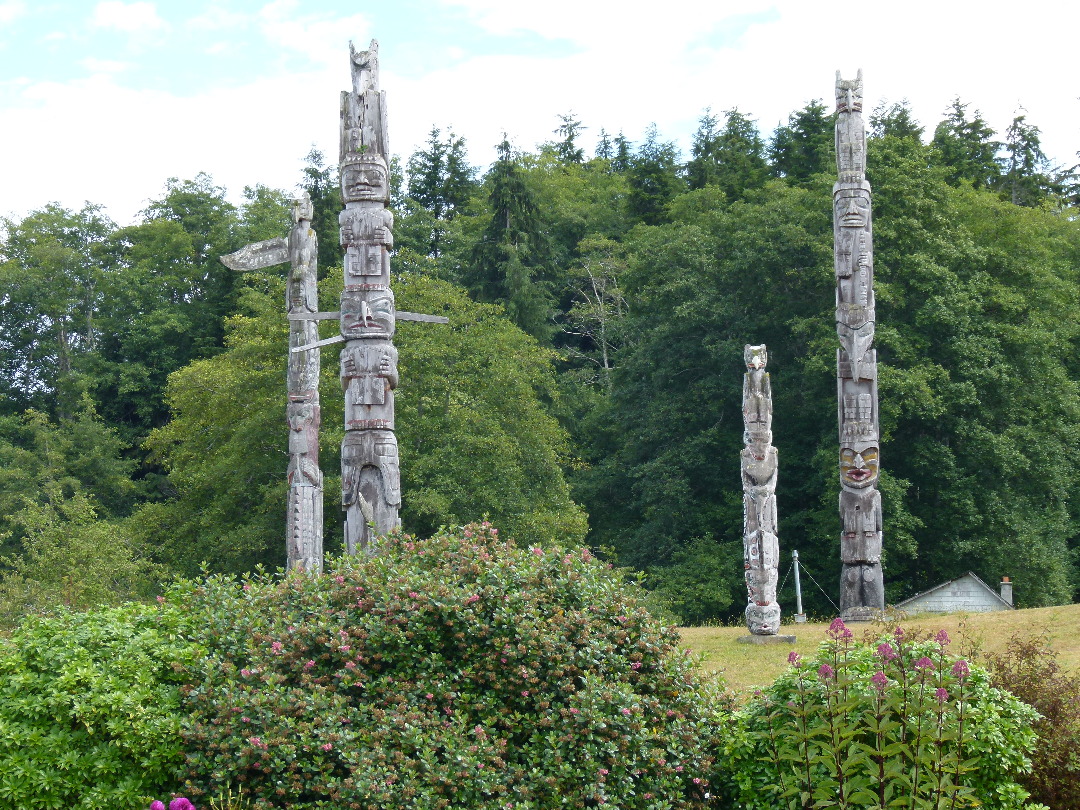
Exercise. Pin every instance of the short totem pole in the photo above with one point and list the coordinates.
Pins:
(862, 589)
(761, 548)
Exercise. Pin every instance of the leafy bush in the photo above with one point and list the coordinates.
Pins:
(89, 709)
(458, 671)
(1029, 669)
(896, 723)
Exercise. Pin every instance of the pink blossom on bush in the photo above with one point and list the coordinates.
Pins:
(180, 803)
(157, 805)
(825, 672)
(886, 652)
(942, 638)
(276, 647)
(879, 681)
(328, 747)
(924, 663)
(960, 669)
(838, 629)
(942, 694)
(793, 658)
(636, 665)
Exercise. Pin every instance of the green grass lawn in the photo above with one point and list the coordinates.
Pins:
(746, 666)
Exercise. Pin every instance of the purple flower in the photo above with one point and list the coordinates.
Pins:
(924, 663)
(838, 630)
(879, 681)
(157, 806)
(942, 694)
(180, 803)
(886, 652)
(898, 633)
(960, 669)
(793, 658)
(825, 672)
(942, 638)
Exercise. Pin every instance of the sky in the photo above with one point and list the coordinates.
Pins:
(104, 101)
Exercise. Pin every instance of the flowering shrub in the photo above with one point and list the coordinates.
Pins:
(459, 671)
(1029, 669)
(89, 709)
(896, 723)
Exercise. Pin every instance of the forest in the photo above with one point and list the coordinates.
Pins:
(588, 386)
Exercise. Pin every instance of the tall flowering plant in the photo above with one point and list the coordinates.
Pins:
(898, 722)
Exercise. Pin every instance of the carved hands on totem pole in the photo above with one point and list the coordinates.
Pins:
(369, 375)
(370, 487)
(304, 419)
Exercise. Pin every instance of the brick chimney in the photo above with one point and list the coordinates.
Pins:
(1006, 590)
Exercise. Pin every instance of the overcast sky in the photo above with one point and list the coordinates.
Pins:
(103, 101)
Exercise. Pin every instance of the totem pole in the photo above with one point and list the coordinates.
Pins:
(304, 518)
(862, 589)
(370, 476)
(761, 548)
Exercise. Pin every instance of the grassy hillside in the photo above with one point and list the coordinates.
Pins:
(746, 666)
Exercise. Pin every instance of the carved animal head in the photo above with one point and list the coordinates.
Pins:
(849, 93)
(302, 208)
(859, 465)
(755, 356)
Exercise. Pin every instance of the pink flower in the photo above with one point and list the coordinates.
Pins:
(942, 694)
(276, 647)
(246, 673)
(678, 769)
(309, 665)
(575, 711)
(924, 663)
(886, 652)
(603, 772)
(340, 580)
(473, 598)
(696, 780)
(157, 806)
(180, 803)
(350, 665)
(838, 630)
(161, 601)
(429, 696)
(636, 665)
(328, 747)
(414, 595)
(879, 681)
(960, 669)
(898, 633)
(539, 552)
(942, 638)
(825, 672)
(793, 658)
(345, 648)
(525, 693)
(627, 711)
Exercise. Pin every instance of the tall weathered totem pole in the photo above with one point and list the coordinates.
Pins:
(304, 518)
(370, 474)
(304, 541)
(761, 548)
(862, 589)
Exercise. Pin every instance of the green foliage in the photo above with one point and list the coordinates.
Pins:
(70, 557)
(965, 148)
(804, 146)
(732, 158)
(1029, 669)
(653, 179)
(701, 581)
(459, 671)
(474, 434)
(898, 722)
(90, 709)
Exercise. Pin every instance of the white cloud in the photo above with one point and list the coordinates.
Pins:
(128, 17)
(10, 10)
(94, 65)
(318, 37)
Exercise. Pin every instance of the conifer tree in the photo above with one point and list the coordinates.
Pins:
(965, 148)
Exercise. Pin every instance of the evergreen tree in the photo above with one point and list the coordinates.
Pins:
(1026, 179)
(965, 148)
(320, 181)
(604, 148)
(511, 260)
(804, 147)
(653, 179)
(733, 159)
(441, 182)
(895, 120)
(567, 148)
(623, 157)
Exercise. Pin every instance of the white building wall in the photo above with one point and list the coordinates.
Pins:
(966, 594)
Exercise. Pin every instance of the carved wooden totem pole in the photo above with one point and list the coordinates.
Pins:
(304, 542)
(370, 476)
(862, 589)
(304, 519)
(761, 548)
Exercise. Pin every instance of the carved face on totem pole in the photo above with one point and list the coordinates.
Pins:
(849, 93)
(756, 357)
(365, 178)
(859, 465)
(851, 205)
(302, 208)
(368, 312)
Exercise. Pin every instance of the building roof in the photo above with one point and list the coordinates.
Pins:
(936, 588)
